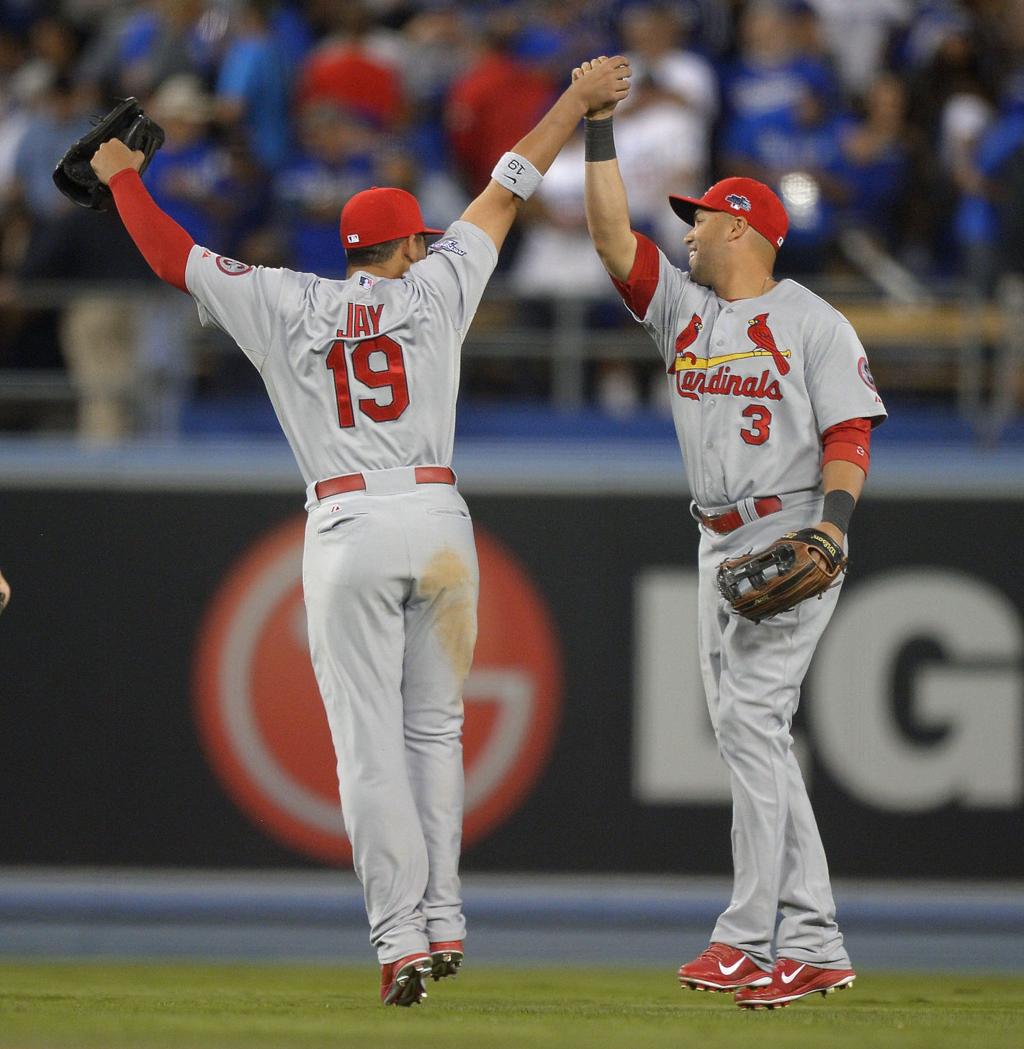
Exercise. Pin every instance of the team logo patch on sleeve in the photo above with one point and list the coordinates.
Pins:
(232, 267)
(865, 373)
(448, 244)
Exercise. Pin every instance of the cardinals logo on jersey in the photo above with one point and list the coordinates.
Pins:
(699, 375)
(761, 336)
(757, 331)
(684, 359)
(684, 340)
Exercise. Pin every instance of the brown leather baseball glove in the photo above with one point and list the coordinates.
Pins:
(778, 578)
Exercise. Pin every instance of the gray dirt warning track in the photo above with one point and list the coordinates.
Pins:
(526, 920)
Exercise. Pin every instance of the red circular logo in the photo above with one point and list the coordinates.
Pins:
(262, 723)
(865, 373)
(232, 267)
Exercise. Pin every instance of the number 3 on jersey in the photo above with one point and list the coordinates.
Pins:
(392, 377)
(760, 423)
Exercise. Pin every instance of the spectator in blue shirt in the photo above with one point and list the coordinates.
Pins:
(254, 85)
(799, 154)
(291, 29)
(188, 174)
(156, 40)
(338, 158)
(769, 80)
(982, 213)
(881, 150)
(57, 119)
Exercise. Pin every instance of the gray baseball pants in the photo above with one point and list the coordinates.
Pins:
(752, 676)
(390, 579)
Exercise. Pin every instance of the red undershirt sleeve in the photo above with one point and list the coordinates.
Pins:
(849, 440)
(163, 243)
(639, 287)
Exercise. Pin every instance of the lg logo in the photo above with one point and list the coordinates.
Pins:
(916, 693)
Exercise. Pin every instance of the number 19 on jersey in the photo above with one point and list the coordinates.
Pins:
(390, 377)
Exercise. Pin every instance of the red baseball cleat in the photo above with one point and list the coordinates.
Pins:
(722, 968)
(792, 980)
(447, 957)
(401, 982)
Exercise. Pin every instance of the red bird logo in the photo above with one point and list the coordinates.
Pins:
(686, 338)
(761, 336)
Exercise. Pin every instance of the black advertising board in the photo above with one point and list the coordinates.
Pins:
(157, 706)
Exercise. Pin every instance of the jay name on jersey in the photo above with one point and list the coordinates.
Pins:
(696, 376)
(362, 319)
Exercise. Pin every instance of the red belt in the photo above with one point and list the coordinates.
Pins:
(357, 483)
(729, 520)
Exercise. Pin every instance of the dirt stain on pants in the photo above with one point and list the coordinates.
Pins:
(447, 583)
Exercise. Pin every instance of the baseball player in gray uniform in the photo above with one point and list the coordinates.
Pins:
(773, 404)
(363, 374)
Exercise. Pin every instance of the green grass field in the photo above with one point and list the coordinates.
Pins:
(160, 1006)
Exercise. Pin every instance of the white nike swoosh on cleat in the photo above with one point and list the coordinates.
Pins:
(728, 971)
(790, 977)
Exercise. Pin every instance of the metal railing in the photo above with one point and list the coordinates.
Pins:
(956, 343)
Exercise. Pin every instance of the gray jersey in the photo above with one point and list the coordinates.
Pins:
(754, 382)
(363, 373)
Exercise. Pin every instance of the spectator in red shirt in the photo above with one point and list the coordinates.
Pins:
(492, 106)
(345, 72)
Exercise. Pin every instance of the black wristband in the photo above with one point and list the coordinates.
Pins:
(599, 141)
(838, 509)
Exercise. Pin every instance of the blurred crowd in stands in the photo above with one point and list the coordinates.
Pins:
(897, 124)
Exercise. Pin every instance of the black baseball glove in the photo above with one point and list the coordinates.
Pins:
(74, 175)
(778, 578)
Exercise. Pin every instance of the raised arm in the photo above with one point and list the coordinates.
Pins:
(162, 242)
(604, 191)
(605, 83)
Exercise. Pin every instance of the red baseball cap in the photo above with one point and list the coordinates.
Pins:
(740, 196)
(380, 214)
